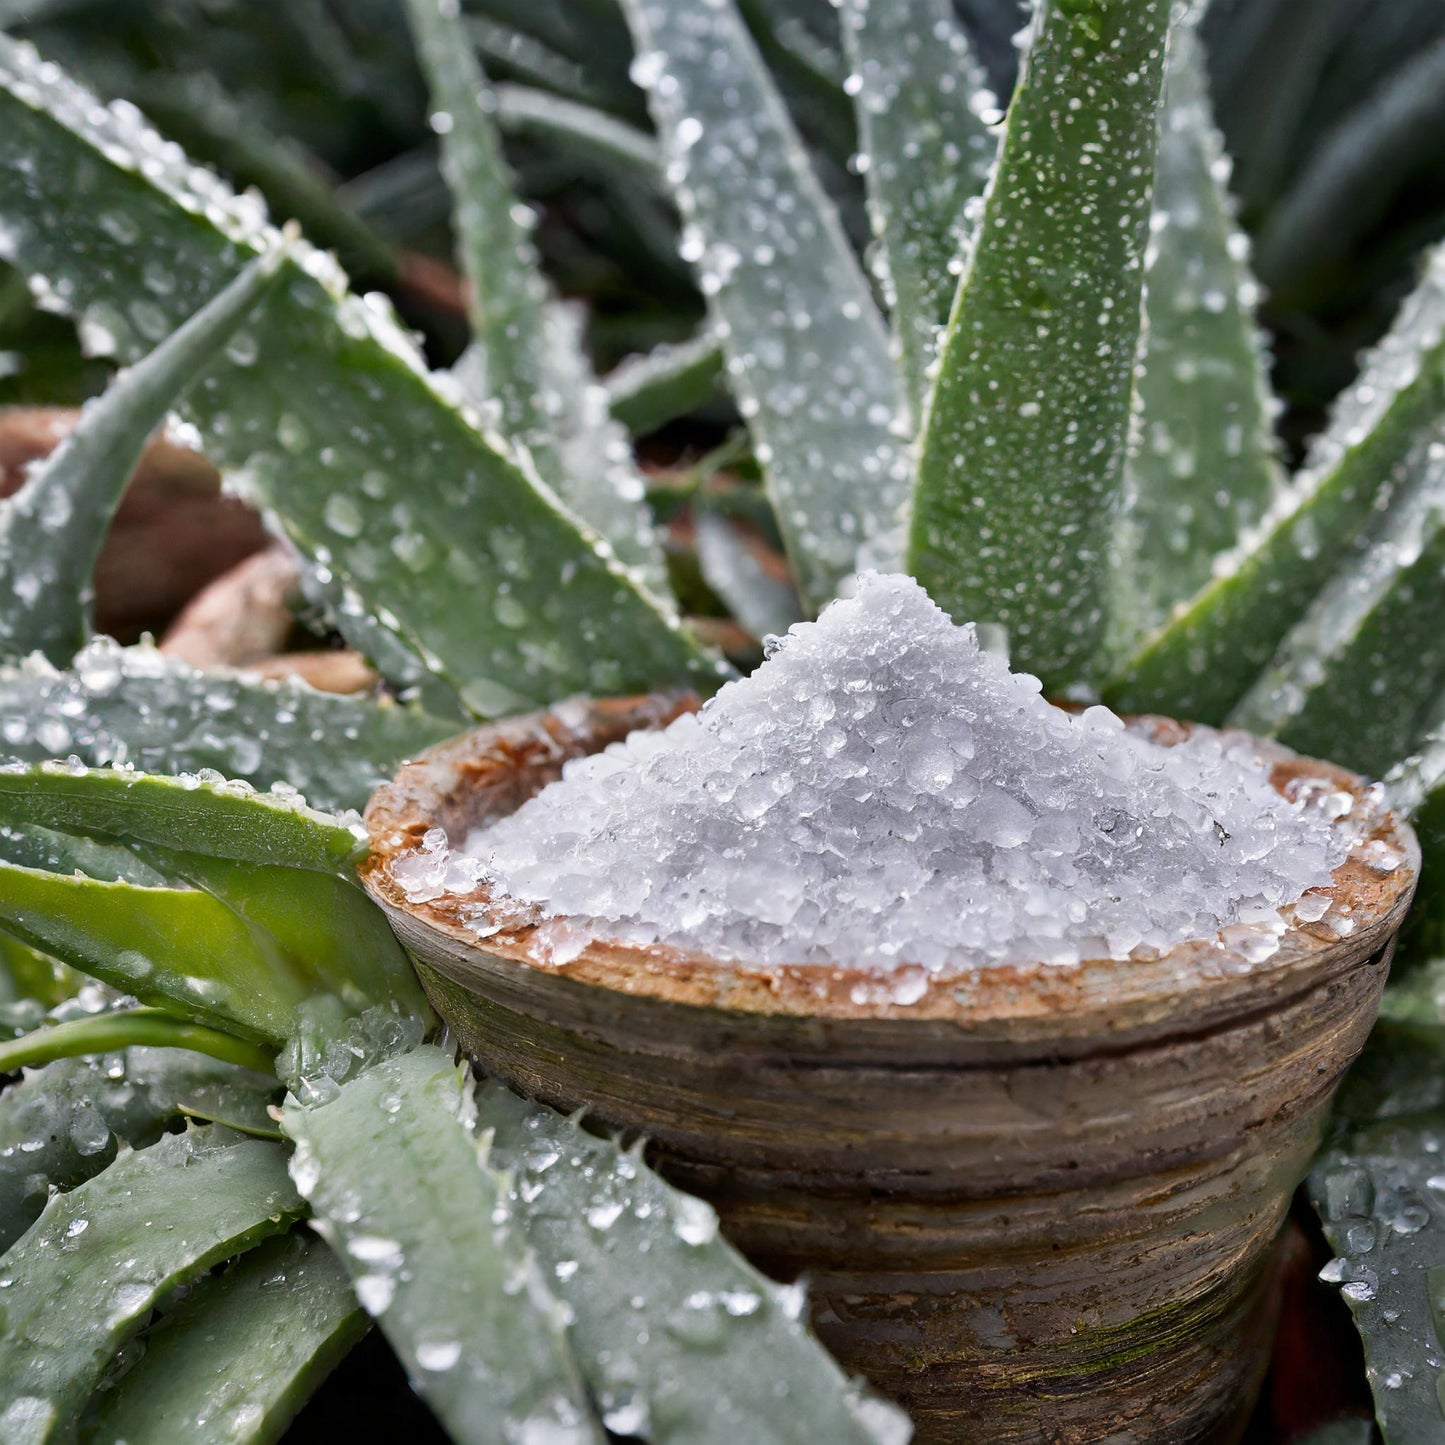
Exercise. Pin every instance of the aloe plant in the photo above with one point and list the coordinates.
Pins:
(1053, 408)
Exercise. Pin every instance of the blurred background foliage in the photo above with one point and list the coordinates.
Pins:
(1334, 112)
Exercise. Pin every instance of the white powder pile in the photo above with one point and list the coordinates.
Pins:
(882, 791)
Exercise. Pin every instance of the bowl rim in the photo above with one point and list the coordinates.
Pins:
(1194, 987)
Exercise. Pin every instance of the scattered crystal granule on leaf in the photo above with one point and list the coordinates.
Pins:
(882, 791)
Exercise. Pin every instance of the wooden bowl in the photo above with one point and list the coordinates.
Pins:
(1034, 1204)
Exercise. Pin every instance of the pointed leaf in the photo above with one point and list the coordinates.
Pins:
(86, 1275)
(1023, 446)
(1356, 675)
(62, 1124)
(52, 529)
(135, 705)
(807, 350)
(760, 601)
(1204, 659)
(452, 1284)
(235, 1360)
(1204, 468)
(925, 116)
(210, 817)
(536, 378)
(715, 1352)
(323, 414)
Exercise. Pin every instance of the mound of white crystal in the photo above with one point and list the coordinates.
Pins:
(883, 791)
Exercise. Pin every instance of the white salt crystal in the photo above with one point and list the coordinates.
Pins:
(883, 792)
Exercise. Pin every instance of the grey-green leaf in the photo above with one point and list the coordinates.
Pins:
(925, 117)
(323, 413)
(1376, 1187)
(135, 705)
(655, 387)
(234, 1361)
(52, 529)
(536, 382)
(1201, 662)
(1023, 445)
(807, 350)
(679, 1338)
(1355, 678)
(1204, 467)
(62, 1124)
(453, 1285)
(86, 1275)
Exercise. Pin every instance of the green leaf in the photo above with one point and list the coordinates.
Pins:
(587, 133)
(234, 1361)
(925, 114)
(655, 387)
(1417, 785)
(807, 351)
(1204, 468)
(1377, 1190)
(1200, 663)
(135, 705)
(451, 1282)
(86, 1275)
(535, 377)
(324, 415)
(1356, 675)
(52, 529)
(325, 926)
(761, 602)
(54, 852)
(210, 817)
(127, 1028)
(678, 1337)
(179, 949)
(1023, 446)
(62, 1124)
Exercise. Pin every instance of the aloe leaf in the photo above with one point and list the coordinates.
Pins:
(655, 387)
(1417, 785)
(587, 132)
(1204, 467)
(332, 931)
(210, 817)
(178, 949)
(52, 529)
(1377, 1188)
(452, 1284)
(1202, 661)
(123, 1029)
(1023, 446)
(235, 1360)
(84, 1278)
(678, 1337)
(53, 852)
(925, 116)
(807, 350)
(428, 521)
(761, 602)
(535, 376)
(63, 1123)
(135, 705)
(1355, 676)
